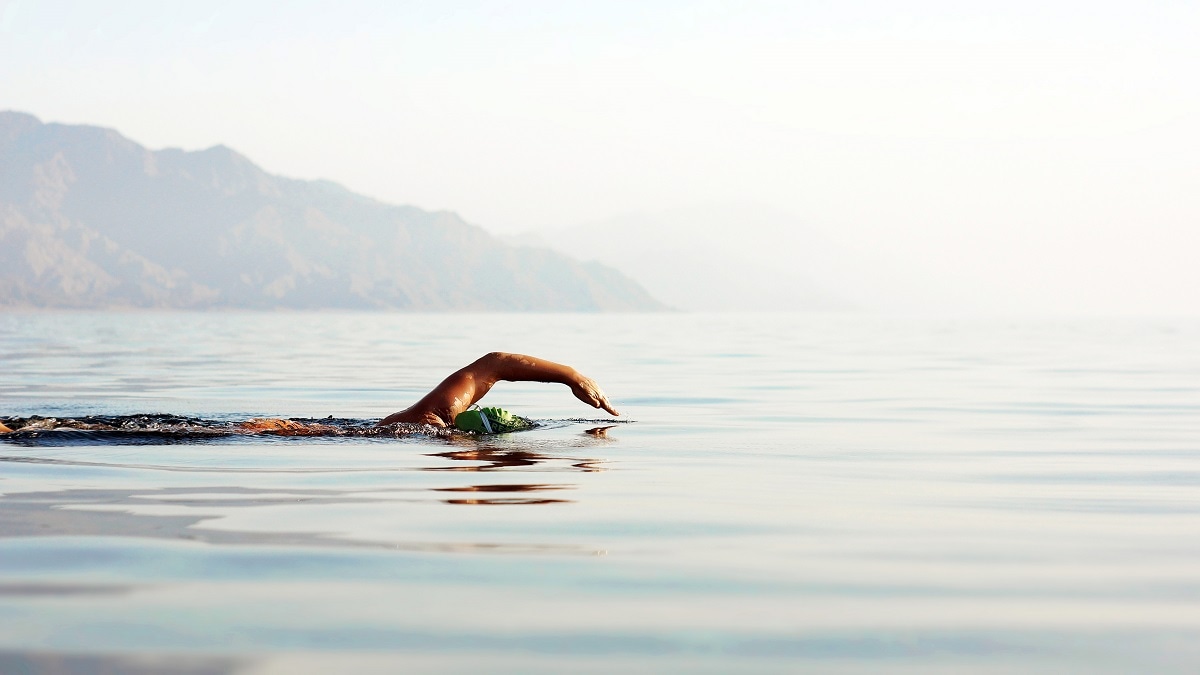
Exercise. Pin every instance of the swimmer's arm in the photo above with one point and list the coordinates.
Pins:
(467, 385)
(521, 368)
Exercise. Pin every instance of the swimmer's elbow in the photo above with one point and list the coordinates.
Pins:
(489, 365)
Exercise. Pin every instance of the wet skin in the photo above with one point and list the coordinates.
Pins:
(464, 387)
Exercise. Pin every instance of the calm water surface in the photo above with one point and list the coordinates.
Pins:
(837, 494)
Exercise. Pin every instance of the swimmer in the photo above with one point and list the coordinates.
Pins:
(458, 392)
(467, 385)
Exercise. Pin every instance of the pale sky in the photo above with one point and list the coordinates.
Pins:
(1020, 155)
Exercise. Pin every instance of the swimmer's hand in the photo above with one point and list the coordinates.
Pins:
(586, 390)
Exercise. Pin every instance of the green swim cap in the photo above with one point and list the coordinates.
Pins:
(489, 421)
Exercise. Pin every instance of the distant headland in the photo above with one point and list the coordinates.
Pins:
(90, 219)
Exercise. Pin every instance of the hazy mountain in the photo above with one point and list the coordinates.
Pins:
(89, 218)
(717, 257)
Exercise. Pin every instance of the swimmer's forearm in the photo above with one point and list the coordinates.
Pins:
(523, 368)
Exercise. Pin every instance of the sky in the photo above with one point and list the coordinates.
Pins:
(1019, 157)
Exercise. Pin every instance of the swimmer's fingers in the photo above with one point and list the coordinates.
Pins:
(586, 390)
(607, 406)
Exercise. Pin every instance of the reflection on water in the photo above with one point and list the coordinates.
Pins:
(505, 488)
(494, 459)
(600, 432)
(499, 501)
(140, 513)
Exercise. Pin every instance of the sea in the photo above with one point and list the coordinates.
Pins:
(782, 493)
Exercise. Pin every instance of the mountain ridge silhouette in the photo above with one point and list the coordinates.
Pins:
(91, 219)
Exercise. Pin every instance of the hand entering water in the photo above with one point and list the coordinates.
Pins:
(586, 390)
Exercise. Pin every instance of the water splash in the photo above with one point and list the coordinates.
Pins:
(166, 428)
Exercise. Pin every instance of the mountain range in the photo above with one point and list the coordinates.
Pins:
(91, 219)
